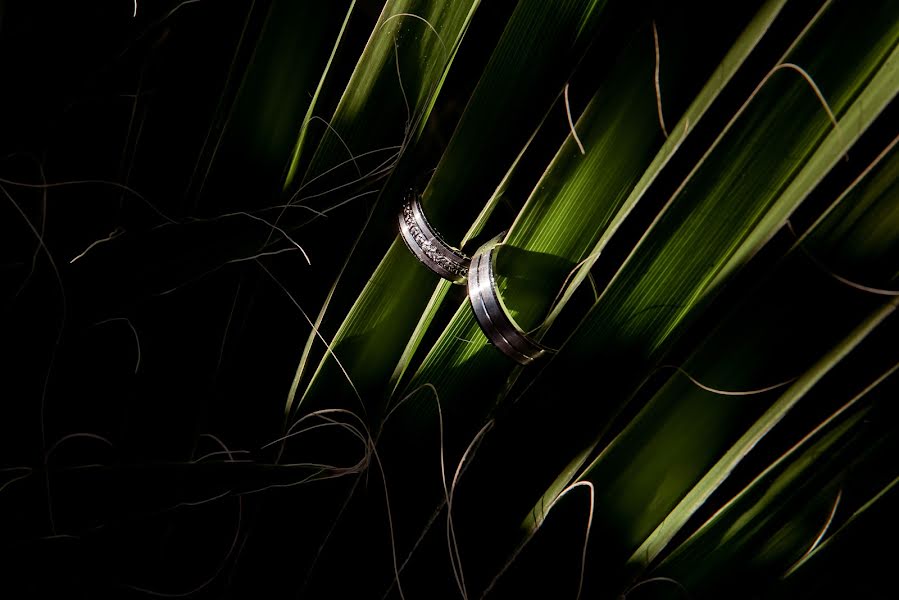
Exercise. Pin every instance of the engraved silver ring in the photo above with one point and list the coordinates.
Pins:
(427, 245)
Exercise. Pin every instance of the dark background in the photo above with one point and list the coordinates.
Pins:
(152, 349)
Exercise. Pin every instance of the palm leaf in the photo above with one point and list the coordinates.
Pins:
(376, 330)
(679, 265)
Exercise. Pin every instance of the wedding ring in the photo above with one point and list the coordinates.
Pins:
(491, 314)
(427, 245)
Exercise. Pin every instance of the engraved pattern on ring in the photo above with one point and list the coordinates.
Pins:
(427, 245)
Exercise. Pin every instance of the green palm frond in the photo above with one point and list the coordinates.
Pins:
(694, 210)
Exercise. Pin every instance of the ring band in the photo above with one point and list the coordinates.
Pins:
(490, 313)
(427, 245)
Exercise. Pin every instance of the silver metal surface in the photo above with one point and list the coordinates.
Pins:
(491, 315)
(427, 245)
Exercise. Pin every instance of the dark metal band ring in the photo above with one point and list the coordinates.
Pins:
(490, 313)
(427, 245)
